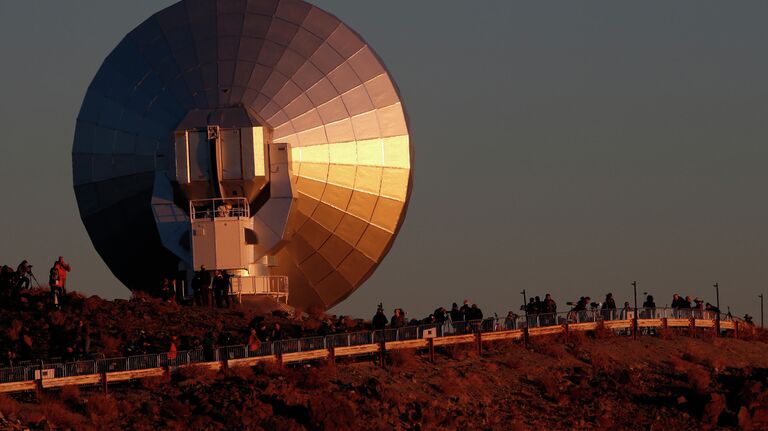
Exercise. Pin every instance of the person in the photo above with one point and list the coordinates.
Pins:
(649, 308)
(220, 289)
(55, 283)
(379, 320)
(440, 315)
(165, 290)
(465, 309)
(206, 280)
(714, 311)
(7, 281)
(172, 349)
(398, 319)
(549, 309)
(23, 273)
(475, 313)
(511, 321)
(209, 346)
(609, 307)
(626, 311)
(748, 319)
(253, 342)
(698, 308)
(456, 314)
(530, 308)
(201, 284)
(63, 269)
(277, 333)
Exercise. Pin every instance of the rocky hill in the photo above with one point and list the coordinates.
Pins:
(664, 382)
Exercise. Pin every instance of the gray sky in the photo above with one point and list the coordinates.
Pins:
(563, 147)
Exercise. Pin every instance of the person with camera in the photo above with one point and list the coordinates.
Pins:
(23, 275)
(379, 320)
(62, 268)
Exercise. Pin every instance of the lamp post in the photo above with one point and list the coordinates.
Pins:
(717, 293)
(525, 304)
(634, 286)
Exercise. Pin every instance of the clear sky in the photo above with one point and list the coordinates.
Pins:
(563, 147)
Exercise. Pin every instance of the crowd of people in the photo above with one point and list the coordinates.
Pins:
(214, 288)
(14, 283)
(544, 312)
(465, 313)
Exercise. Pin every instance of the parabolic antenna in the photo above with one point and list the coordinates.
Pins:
(261, 137)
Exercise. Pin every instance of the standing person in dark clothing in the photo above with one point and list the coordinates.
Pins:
(609, 307)
(649, 308)
(201, 284)
(465, 309)
(549, 310)
(209, 346)
(440, 315)
(219, 286)
(398, 319)
(277, 333)
(475, 313)
(456, 314)
(379, 320)
(23, 273)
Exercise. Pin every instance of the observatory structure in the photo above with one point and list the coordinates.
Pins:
(261, 137)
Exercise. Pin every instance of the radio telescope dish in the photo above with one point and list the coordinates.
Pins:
(261, 137)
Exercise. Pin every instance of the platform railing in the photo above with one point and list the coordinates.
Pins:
(28, 372)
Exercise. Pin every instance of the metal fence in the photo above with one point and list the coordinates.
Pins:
(29, 370)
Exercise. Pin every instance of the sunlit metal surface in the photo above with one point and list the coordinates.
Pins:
(304, 75)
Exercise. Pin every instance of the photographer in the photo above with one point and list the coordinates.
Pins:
(23, 274)
(379, 320)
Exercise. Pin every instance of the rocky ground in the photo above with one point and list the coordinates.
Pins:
(114, 325)
(592, 380)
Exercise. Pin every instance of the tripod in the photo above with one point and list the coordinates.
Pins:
(35, 278)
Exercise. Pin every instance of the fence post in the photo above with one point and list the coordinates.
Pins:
(104, 383)
(331, 354)
(431, 344)
(225, 359)
(479, 339)
(635, 327)
(693, 326)
(717, 325)
(664, 323)
(525, 337)
(383, 352)
(736, 329)
(565, 330)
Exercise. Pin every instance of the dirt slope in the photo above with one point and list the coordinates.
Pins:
(593, 380)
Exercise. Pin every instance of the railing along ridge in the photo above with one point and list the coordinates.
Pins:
(519, 325)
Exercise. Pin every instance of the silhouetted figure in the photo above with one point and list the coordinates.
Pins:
(465, 309)
(55, 283)
(649, 308)
(456, 314)
(221, 289)
(23, 274)
(398, 319)
(379, 320)
(441, 315)
(609, 307)
(201, 284)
